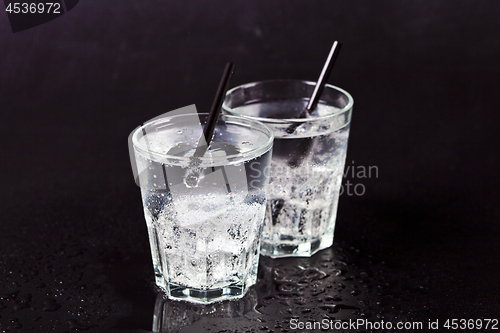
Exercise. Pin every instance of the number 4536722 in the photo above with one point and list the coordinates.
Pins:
(32, 8)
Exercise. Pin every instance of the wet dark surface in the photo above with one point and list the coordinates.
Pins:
(417, 239)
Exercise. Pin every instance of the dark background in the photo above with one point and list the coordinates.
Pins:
(421, 243)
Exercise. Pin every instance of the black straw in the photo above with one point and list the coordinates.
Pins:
(208, 130)
(325, 73)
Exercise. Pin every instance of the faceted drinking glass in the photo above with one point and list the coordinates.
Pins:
(307, 164)
(204, 234)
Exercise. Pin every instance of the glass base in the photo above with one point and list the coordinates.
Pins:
(295, 249)
(177, 292)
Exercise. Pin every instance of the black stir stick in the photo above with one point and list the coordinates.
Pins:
(325, 73)
(208, 130)
(304, 146)
(191, 180)
(318, 88)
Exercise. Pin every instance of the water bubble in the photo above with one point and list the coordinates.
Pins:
(194, 206)
(191, 180)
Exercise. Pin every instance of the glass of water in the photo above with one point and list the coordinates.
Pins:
(308, 160)
(204, 214)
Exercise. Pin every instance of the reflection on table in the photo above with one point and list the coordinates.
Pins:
(329, 286)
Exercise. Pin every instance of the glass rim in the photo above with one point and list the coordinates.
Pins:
(345, 109)
(211, 160)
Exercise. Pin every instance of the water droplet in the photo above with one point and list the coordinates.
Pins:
(286, 287)
(20, 306)
(15, 323)
(9, 295)
(24, 298)
(300, 301)
(74, 325)
(317, 292)
(50, 305)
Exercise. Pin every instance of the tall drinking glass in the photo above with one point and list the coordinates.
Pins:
(308, 160)
(204, 214)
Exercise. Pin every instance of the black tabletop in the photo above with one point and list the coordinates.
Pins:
(417, 234)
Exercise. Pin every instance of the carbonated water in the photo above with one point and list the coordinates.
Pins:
(305, 179)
